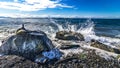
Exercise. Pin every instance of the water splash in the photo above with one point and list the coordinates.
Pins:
(59, 27)
(87, 30)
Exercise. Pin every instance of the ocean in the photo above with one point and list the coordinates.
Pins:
(106, 31)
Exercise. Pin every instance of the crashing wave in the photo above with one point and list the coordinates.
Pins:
(87, 30)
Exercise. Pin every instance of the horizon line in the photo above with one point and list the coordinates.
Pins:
(61, 17)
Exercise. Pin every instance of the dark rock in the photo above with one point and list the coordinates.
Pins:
(12, 61)
(65, 35)
(91, 61)
(26, 43)
(116, 50)
(97, 44)
(65, 60)
(68, 46)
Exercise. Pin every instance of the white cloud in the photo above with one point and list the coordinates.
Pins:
(32, 5)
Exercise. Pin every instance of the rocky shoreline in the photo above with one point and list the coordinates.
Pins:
(23, 49)
(90, 60)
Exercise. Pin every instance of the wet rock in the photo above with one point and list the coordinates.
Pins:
(97, 44)
(13, 61)
(69, 35)
(91, 61)
(63, 47)
(66, 60)
(26, 43)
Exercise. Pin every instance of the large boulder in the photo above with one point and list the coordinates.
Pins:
(69, 35)
(26, 43)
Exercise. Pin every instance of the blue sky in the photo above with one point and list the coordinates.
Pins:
(60, 8)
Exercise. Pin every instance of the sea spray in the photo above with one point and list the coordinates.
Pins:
(87, 30)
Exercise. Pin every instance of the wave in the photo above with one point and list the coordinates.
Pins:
(87, 30)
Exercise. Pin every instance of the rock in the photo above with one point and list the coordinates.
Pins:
(91, 60)
(66, 60)
(68, 46)
(13, 61)
(97, 44)
(26, 43)
(65, 35)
